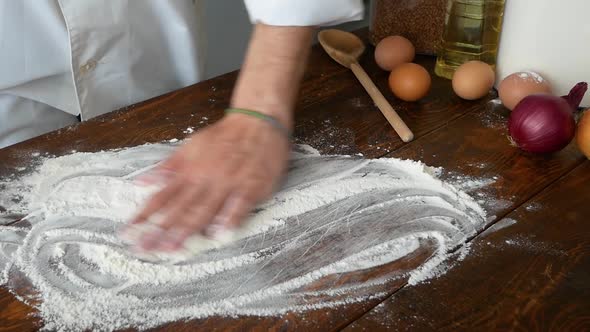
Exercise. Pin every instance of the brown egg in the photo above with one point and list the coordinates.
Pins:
(473, 80)
(517, 86)
(410, 82)
(394, 51)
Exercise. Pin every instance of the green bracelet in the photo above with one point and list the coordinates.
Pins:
(265, 117)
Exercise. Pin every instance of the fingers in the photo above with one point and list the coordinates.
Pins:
(190, 217)
(182, 205)
(190, 207)
(234, 210)
(174, 210)
(195, 219)
(158, 201)
(155, 176)
(193, 214)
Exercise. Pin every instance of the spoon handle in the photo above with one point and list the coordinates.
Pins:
(390, 114)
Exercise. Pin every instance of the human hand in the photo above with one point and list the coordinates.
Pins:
(213, 181)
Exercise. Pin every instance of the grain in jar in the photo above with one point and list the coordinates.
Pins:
(421, 21)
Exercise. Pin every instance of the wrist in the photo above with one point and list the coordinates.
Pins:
(272, 71)
(268, 120)
(279, 111)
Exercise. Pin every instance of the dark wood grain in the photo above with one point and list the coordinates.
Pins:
(474, 144)
(330, 92)
(335, 115)
(531, 276)
(477, 145)
(15, 315)
(350, 123)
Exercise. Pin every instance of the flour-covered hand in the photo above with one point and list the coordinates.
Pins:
(214, 180)
(219, 176)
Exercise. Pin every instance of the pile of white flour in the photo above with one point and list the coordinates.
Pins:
(334, 215)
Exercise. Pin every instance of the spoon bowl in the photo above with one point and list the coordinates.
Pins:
(344, 47)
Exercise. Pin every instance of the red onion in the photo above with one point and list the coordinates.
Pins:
(543, 123)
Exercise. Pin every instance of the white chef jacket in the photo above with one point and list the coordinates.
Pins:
(60, 59)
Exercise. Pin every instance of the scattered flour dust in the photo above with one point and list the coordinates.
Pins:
(334, 215)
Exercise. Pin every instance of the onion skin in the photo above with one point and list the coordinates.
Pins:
(583, 136)
(575, 97)
(542, 124)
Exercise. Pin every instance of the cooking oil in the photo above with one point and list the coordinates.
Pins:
(472, 32)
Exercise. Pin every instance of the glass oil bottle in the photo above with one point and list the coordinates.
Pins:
(472, 32)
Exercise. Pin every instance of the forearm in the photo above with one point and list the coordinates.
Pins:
(272, 71)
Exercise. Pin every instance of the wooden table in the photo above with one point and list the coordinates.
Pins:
(531, 276)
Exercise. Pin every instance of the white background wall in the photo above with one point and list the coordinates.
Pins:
(228, 30)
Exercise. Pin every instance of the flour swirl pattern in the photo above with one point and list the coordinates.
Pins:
(335, 215)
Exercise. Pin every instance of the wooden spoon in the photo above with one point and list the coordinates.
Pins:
(345, 48)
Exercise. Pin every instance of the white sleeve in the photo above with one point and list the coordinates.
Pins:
(304, 12)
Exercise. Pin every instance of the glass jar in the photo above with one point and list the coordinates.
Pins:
(420, 21)
(472, 32)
